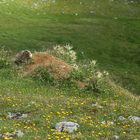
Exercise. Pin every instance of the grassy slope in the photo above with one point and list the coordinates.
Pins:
(101, 37)
(94, 31)
(47, 105)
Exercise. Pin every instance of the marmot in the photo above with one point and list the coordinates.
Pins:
(23, 57)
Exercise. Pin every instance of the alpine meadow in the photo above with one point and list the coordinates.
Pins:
(70, 69)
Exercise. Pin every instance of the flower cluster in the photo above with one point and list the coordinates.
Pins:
(66, 53)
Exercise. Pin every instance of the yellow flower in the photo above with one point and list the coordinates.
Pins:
(5, 138)
(57, 137)
(58, 113)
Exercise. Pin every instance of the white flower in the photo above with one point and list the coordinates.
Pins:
(93, 62)
(99, 74)
(75, 66)
(68, 47)
(105, 73)
(66, 53)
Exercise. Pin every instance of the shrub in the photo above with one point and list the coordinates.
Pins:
(44, 75)
(65, 53)
(90, 76)
(4, 58)
(85, 73)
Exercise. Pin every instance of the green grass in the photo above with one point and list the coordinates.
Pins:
(108, 32)
(47, 105)
(114, 43)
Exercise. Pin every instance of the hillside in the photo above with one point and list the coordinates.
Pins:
(105, 30)
(105, 37)
(32, 104)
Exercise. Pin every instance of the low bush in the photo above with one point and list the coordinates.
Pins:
(4, 59)
(43, 75)
(85, 75)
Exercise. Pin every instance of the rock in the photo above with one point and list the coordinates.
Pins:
(134, 119)
(107, 122)
(10, 135)
(24, 115)
(66, 127)
(16, 115)
(115, 137)
(19, 133)
(121, 118)
(13, 115)
(96, 105)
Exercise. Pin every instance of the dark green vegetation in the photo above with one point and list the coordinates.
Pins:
(105, 30)
(97, 113)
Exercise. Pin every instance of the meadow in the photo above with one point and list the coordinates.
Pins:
(32, 105)
(104, 30)
(107, 31)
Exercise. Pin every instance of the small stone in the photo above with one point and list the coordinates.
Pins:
(66, 127)
(121, 118)
(134, 118)
(96, 105)
(19, 133)
(116, 137)
(24, 115)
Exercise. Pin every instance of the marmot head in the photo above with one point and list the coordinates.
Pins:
(27, 54)
(23, 57)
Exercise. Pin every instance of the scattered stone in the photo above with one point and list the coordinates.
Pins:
(121, 118)
(19, 133)
(107, 122)
(10, 135)
(130, 118)
(96, 105)
(24, 115)
(66, 127)
(16, 115)
(115, 137)
(134, 119)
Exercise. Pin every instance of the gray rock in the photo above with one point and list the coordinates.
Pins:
(16, 115)
(14, 134)
(116, 137)
(19, 133)
(134, 118)
(96, 105)
(66, 127)
(121, 118)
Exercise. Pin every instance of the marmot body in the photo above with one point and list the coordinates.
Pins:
(23, 57)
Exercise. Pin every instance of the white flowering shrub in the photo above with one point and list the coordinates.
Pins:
(66, 53)
(89, 74)
(86, 73)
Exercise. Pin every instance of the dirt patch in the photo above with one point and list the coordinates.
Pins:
(60, 69)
